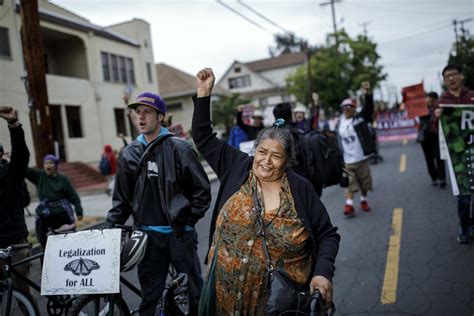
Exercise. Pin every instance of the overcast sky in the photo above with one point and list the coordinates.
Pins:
(414, 36)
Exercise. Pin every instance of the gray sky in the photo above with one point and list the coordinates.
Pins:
(414, 36)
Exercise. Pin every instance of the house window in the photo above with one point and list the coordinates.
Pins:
(4, 43)
(120, 121)
(123, 69)
(74, 125)
(239, 82)
(174, 107)
(115, 72)
(148, 71)
(117, 68)
(130, 71)
(237, 70)
(105, 66)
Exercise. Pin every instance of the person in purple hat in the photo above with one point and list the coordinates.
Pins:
(57, 197)
(162, 184)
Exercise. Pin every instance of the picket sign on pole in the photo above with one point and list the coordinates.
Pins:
(85, 262)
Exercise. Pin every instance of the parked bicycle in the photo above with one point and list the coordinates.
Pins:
(175, 297)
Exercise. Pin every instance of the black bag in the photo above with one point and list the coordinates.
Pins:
(322, 158)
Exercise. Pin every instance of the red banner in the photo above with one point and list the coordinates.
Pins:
(414, 99)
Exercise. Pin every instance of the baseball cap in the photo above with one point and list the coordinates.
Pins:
(348, 102)
(150, 99)
(257, 113)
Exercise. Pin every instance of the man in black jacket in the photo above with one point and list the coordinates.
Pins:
(358, 144)
(13, 228)
(162, 183)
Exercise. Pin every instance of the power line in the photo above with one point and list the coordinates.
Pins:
(262, 16)
(416, 34)
(242, 16)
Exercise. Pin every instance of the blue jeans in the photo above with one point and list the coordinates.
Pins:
(161, 250)
(464, 211)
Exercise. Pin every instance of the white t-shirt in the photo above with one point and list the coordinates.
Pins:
(350, 142)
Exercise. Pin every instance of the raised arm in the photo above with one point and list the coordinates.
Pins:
(368, 108)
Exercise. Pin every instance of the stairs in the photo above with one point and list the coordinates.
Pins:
(83, 177)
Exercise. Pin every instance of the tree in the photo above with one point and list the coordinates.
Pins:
(463, 55)
(286, 43)
(337, 72)
(225, 109)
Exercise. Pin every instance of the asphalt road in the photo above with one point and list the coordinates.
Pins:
(431, 275)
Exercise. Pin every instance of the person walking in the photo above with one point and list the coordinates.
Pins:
(357, 143)
(301, 240)
(457, 94)
(13, 229)
(250, 130)
(161, 182)
(56, 197)
(428, 138)
(108, 167)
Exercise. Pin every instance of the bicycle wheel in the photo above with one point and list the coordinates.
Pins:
(20, 306)
(98, 305)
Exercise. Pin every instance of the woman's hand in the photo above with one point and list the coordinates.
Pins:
(205, 82)
(324, 286)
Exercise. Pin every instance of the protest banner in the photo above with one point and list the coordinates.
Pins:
(414, 99)
(86, 262)
(457, 138)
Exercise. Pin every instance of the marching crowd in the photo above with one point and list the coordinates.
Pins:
(268, 221)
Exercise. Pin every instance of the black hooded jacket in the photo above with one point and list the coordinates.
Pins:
(12, 176)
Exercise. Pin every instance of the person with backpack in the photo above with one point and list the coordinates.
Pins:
(357, 143)
(161, 182)
(56, 197)
(108, 167)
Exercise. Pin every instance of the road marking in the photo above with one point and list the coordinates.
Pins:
(403, 162)
(405, 142)
(390, 282)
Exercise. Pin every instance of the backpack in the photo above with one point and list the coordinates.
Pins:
(104, 166)
(322, 158)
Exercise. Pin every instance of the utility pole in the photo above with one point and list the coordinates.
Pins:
(334, 23)
(33, 52)
(364, 27)
(464, 32)
(455, 30)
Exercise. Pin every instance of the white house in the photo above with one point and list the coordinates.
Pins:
(263, 81)
(88, 70)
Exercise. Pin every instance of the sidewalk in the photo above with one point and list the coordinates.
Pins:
(96, 203)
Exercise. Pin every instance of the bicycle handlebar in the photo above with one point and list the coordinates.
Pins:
(125, 227)
(176, 282)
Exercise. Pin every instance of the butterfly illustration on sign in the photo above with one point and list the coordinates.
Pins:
(81, 266)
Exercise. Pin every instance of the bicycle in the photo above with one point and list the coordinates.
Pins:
(13, 302)
(316, 306)
(55, 306)
(174, 296)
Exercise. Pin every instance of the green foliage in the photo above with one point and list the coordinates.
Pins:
(337, 70)
(463, 55)
(225, 109)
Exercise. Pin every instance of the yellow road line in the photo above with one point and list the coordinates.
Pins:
(390, 282)
(405, 141)
(403, 162)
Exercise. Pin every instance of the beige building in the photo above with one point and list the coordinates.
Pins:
(89, 68)
(263, 81)
(177, 89)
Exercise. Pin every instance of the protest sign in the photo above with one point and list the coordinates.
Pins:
(86, 262)
(457, 137)
(414, 99)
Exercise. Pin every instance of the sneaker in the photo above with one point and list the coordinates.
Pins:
(349, 210)
(365, 206)
(464, 239)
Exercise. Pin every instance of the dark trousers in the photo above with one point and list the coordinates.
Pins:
(466, 218)
(161, 250)
(434, 163)
(53, 221)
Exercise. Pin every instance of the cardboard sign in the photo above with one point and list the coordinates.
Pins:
(457, 138)
(86, 262)
(414, 99)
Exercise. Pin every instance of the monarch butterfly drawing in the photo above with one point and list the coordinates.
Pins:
(81, 266)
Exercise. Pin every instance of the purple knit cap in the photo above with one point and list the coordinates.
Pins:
(52, 158)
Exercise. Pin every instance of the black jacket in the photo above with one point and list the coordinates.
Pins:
(12, 176)
(179, 184)
(362, 123)
(233, 166)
